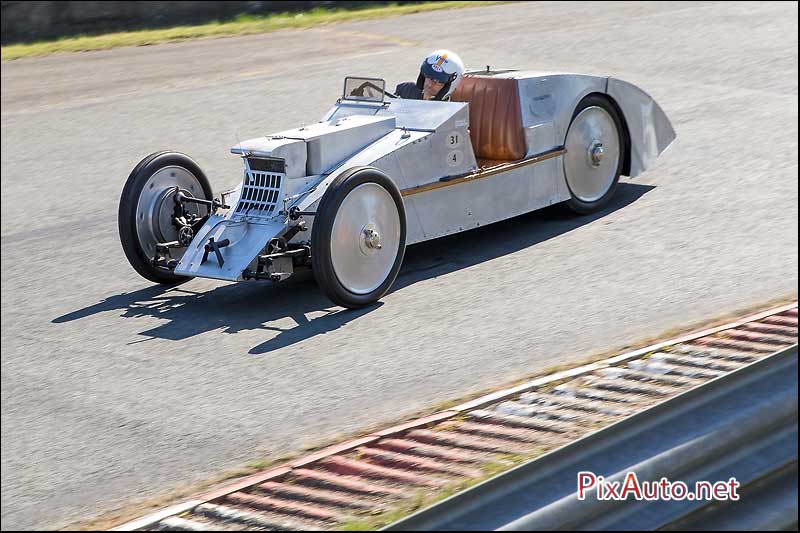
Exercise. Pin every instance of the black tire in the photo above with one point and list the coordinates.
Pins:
(575, 204)
(321, 234)
(128, 230)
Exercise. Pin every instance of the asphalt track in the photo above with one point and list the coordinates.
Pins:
(113, 388)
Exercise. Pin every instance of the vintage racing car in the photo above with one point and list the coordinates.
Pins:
(346, 195)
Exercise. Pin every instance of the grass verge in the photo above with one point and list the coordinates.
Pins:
(241, 25)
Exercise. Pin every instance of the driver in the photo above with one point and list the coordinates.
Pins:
(439, 75)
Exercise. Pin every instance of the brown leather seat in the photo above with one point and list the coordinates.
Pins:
(495, 124)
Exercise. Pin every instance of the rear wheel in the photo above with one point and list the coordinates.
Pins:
(147, 207)
(595, 154)
(358, 237)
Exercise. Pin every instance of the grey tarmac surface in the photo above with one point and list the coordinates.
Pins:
(113, 388)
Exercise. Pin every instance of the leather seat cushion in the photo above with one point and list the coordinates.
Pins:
(495, 123)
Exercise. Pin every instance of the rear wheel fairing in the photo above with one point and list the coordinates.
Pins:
(650, 130)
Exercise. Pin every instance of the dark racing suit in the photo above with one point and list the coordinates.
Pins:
(409, 91)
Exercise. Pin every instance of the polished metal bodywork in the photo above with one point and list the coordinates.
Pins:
(648, 126)
(425, 148)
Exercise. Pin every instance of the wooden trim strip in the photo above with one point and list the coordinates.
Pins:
(484, 172)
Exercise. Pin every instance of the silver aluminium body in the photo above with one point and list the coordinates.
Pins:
(420, 145)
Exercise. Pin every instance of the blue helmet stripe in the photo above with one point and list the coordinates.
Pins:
(428, 72)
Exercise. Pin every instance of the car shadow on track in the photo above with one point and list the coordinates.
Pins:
(235, 307)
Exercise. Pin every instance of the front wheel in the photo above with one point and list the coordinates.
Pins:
(359, 237)
(595, 154)
(147, 209)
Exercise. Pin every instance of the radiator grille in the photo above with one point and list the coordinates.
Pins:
(261, 190)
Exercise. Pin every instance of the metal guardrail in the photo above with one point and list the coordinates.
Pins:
(767, 504)
(742, 425)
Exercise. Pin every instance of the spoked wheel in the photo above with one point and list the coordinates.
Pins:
(147, 208)
(595, 154)
(358, 237)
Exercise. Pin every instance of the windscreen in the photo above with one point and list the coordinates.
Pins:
(364, 89)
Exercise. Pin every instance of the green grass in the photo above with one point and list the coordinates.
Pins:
(241, 25)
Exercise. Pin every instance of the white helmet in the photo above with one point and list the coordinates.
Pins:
(445, 67)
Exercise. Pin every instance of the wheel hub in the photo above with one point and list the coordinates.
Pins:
(596, 153)
(185, 235)
(372, 239)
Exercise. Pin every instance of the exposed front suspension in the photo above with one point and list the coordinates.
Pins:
(187, 225)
